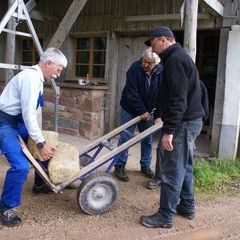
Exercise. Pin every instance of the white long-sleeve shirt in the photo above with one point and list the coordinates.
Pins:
(20, 96)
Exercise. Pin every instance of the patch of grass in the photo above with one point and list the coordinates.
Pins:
(217, 175)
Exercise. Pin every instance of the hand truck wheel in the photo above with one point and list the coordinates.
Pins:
(97, 193)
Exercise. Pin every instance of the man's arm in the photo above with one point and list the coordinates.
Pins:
(29, 93)
(133, 97)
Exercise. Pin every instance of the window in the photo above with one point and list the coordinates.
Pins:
(29, 55)
(90, 58)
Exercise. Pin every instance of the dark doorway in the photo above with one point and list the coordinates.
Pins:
(206, 61)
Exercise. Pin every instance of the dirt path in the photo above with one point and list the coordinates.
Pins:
(55, 217)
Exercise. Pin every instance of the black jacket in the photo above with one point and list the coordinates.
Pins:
(138, 96)
(180, 93)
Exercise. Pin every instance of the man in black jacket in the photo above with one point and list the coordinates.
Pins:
(139, 97)
(181, 111)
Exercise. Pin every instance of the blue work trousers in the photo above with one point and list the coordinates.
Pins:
(176, 171)
(146, 144)
(19, 167)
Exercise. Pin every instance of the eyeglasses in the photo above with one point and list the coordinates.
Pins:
(155, 39)
(144, 62)
(58, 68)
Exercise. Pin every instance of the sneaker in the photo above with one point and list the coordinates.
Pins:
(120, 173)
(147, 172)
(9, 218)
(154, 183)
(155, 221)
(44, 189)
(190, 215)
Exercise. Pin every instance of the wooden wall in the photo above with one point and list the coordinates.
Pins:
(112, 15)
(107, 17)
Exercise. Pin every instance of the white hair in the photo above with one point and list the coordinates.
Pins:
(150, 54)
(54, 55)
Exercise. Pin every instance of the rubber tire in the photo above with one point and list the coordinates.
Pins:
(88, 184)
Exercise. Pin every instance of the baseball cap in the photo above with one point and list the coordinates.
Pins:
(160, 31)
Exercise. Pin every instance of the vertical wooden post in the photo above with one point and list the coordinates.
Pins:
(10, 45)
(111, 78)
(190, 27)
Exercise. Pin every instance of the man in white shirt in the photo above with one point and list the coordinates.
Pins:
(19, 102)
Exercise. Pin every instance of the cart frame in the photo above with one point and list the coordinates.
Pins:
(96, 162)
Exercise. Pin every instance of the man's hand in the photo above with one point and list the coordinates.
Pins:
(47, 151)
(158, 121)
(146, 116)
(167, 141)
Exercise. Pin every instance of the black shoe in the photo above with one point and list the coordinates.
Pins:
(120, 173)
(154, 221)
(44, 189)
(154, 183)
(9, 218)
(190, 215)
(147, 172)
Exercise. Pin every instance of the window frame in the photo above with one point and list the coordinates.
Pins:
(33, 51)
(91, 63)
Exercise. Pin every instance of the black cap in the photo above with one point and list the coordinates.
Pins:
(160, 31)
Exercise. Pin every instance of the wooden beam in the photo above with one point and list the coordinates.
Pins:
(190, 27)
(10, 45)
(44, 17)
(161, 17)
(111, 78)
(67, 23)
(214, 6)
(30, 5)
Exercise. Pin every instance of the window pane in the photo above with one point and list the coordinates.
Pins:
(83, 43)
(100, 43)
(36, 57)
(98, 71)
(81, 70)
(99, 57)
(82, 57)
(27, 44)
(27, 56)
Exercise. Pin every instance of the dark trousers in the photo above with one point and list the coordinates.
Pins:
(176, 171)
(146, 143)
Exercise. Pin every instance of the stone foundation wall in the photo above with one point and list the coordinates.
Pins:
(80, 110)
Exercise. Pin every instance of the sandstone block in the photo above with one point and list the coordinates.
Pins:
(64, 164)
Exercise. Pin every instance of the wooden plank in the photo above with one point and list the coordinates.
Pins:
(67, 23)
(190, 27)
(37, 166)
(111, 78)
(44, 17)
(10, 45)
(214, 6)
(30, 5)
(162, 17)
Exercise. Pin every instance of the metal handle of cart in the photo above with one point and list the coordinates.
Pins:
(96, 192)
(110, 155)
(98, 162)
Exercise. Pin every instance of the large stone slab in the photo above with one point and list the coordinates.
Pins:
(65, 162)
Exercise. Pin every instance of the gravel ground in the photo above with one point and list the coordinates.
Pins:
(57, 216)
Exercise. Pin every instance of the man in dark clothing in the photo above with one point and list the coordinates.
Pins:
(155, 182)
(139, 97)
(181, 111)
